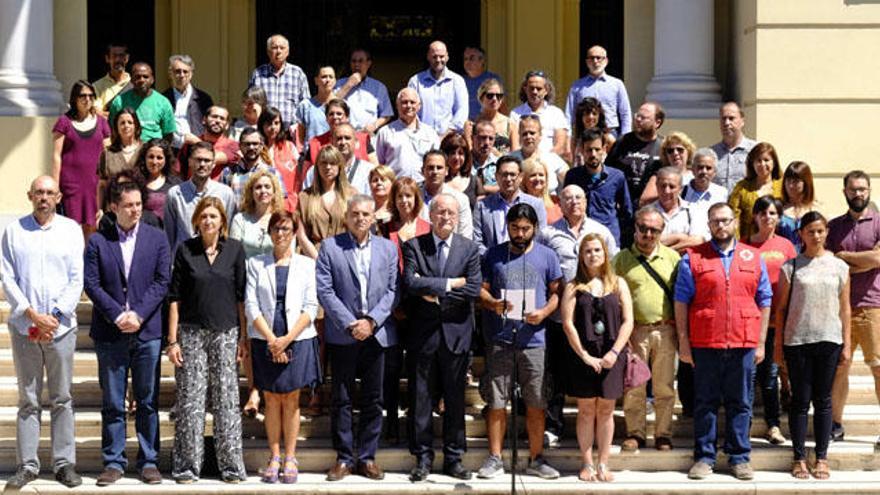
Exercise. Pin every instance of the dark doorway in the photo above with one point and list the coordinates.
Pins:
(602, 24)
(131, 23)
(396, 32)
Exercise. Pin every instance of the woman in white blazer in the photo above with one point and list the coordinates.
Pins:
(281, 305)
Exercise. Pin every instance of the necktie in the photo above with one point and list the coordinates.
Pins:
(441, 257)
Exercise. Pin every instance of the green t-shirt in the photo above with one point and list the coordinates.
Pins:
(154, 113)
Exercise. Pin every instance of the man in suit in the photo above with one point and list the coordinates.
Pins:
(126, 275)
(357, 280)
(441, 276)
(190, 104)
(490, 223)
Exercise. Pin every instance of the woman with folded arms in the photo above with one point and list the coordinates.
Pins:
(205, 316)
(814, 313)
(284, 353)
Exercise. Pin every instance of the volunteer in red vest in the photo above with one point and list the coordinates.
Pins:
(722, 308)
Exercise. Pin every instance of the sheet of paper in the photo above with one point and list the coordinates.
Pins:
(518, 297)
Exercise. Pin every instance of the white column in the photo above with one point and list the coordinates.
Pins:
(27, 82)
(684, 46)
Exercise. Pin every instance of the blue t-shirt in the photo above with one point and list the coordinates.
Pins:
(502, 269)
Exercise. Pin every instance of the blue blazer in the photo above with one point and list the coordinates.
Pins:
(144, 290)
(490, 224)
(339, 291)
(453, 314)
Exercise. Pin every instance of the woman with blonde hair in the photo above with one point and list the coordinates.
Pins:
(261, 198)
(322, 205)
(597, 318)
(381, 180)
(205, 322)
(534, 182)
(676, 150)
(491, 97)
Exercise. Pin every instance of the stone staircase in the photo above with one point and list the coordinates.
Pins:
(855, 465)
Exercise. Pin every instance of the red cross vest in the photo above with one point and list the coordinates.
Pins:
(723, 313)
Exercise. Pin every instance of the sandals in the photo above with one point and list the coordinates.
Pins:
(588, 473)
(270, 474)
(603, 473)
(821, 471)
(291, 471)
(799, 470)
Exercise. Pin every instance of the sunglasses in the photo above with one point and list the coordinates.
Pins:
(644, 229)
(678, 149)
(493, 96)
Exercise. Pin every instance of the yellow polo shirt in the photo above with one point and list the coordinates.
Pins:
(106, 89)
(650, 304)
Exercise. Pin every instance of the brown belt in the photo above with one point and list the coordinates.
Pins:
(658, 323)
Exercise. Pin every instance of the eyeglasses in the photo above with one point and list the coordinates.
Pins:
(644, 229)
(677, 149)
(85, 95)
(493, 96)
(723, 222)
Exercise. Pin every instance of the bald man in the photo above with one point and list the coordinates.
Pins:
(403, 143)
(42, 271)
(609, 90)
(443, 93)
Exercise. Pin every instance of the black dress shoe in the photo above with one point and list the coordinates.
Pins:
(67, 476)
(456, 470)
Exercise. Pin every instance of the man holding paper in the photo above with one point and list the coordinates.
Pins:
(521, 280)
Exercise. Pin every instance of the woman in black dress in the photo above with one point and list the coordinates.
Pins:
(281, 306)
(597, 319)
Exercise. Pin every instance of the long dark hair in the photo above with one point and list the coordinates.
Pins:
(266, 117)
(588, 104)
(141, 163)
(453, 142)
(72, 112)
(116, 141)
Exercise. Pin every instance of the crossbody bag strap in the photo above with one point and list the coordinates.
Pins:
(656, 276)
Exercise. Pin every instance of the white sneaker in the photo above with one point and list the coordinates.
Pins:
(551, 440)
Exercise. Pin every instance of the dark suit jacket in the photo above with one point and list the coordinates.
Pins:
(454, 315)
(144, 290)
(198, 108)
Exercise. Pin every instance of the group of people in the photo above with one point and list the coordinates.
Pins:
(315, 238)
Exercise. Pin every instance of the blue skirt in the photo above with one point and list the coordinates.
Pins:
(304, 370)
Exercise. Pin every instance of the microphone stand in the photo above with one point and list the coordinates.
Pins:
(514, 383)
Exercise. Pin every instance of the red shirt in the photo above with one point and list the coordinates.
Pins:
(775, 251)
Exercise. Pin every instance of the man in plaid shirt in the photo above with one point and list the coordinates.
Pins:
(285, 84)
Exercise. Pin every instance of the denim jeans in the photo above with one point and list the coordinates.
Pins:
(115, 360)
(767, 380)
(811, 368)
(723, 376)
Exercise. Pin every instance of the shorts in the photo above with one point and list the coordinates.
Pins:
(866, 332)
(495, 382)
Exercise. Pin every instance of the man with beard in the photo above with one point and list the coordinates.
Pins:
(215, 123)
(521, 282)
(608, 195)
(42, 272)
(153, 110)
(490, 225)
(183, 198)
(609, 90)
(117, 79)
(734, 147)
(701, 191)
(722, 308)
(854, 237)
(402, 143)
(443, 93)
(237, 175)
(637, 154)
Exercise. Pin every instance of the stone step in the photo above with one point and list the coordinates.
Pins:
(858, 421)
(85, 364)
(83, 311)
(317, 455)
(629, 482)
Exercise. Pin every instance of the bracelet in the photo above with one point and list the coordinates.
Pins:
(615, 352)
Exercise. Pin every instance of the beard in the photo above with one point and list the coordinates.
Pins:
(858, 205)
(520, 243)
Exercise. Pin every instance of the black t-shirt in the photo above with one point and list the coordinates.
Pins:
(638, 160)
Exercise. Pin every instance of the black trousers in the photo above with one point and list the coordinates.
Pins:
(434, 357)
(811, 368)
